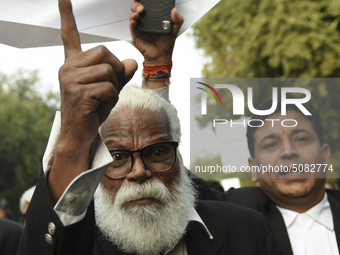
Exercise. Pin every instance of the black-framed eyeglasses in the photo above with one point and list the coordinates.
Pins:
(157, 157)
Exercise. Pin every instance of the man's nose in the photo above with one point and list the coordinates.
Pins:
(139, 172)
(288, 150)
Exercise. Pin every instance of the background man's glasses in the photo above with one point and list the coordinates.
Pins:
(157, 157)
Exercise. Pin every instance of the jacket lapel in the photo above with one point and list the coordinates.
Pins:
(276, 220)
(198, 242)
(334, 201)
(104, 247)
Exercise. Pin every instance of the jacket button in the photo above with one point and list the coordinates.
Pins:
(51, 228)
(49, 239)
(69, 197)
(85, 195)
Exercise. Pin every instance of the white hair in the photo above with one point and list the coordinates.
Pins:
(136, 97)
(26, 198)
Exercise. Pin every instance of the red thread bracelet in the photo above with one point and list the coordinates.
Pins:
(156, 71)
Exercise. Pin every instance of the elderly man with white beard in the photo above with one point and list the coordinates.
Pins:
(145, 202)
(148, 210)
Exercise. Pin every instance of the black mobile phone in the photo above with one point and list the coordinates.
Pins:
(156, 18)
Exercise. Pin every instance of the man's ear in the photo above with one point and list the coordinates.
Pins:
(327, 152)
(253, 174)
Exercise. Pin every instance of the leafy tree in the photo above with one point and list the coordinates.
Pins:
(271, 38)
(25, 122)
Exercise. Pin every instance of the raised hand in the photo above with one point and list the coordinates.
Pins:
(89, 84)
(89, 81)
(156, 49)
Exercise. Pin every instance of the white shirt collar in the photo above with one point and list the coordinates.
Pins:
(180, 247)
(193, 216)
(321, 213)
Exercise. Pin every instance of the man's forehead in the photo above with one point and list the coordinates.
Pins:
(293, 112)
(276, 124)
(129, 122)
(138, 115)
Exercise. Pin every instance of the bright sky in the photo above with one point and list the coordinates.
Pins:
(187, 63)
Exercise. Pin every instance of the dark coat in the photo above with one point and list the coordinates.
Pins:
(236, 230)
(255, 198)
(10, 234)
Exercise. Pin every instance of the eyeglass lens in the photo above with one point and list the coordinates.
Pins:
(157, 157)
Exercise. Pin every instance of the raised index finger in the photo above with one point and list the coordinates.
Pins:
(69, 31)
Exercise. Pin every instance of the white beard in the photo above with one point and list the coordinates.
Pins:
(149, 229)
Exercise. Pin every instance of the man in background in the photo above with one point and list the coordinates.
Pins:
(305, 217)
(10, 234)
(5, 209)
(24, 203)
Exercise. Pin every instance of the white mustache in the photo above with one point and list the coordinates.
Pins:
(149, 189)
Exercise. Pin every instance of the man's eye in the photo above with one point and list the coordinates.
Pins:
(120, 158)
(117, 156)
(270, 145)
(302, 139)
(158, 152)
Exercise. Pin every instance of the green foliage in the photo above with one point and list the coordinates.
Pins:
(247, 182)
(332, 182)
(25, 122)
(271, 38)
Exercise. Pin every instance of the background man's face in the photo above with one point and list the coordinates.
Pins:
(280, 145)
(134, 129)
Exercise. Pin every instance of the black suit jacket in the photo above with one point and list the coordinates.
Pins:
(236, 230)
(255, 198)
(10, 234)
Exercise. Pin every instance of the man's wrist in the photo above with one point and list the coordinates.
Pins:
(159, 61)
(155, 84)
(156, 76)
